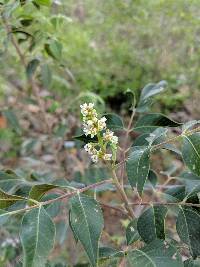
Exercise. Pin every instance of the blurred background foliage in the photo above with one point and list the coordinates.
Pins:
(105, 47)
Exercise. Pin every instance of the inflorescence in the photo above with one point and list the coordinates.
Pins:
(94, 127)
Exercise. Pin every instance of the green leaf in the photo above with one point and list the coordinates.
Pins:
(8, 181)
(54, 49)
(191, 152)
(155, 254)
(131, 98)
(148, 92)
(6, 200)
(107, 252)
(132, 234)
(37, 191)
(43, 2)
(85, 139)
(188, 229)
(151, 121)
(151, 224)
(46, 76)
(152, 177)
(31, 67)
(192, 263)
(114, 122)
(12, 120)
(137, 167)
(87, 223)
(37, 236)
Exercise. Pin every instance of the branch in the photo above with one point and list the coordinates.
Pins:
(67, 195)
(34, 86)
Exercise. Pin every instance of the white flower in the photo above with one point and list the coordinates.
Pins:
(107, 156)
(94, 158)
(90, 148)
(102, 124)
(110, 137)
(88, 110)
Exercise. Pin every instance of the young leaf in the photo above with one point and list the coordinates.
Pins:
(151, 121)
(87, 223)
(132, 234)
(148, 92)
(6, 200)
(151, 224)
(155, 254)
(137, 167)
(37, 236)
(191, 152)
(188, 228)
(114, 122)
(37, 191)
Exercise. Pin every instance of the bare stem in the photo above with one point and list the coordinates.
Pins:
(124, 149)
(122, 193)
(64, 196)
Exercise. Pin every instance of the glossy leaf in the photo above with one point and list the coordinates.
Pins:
(37, 236)
(151, 224)
(107, 252)
(155, 254)
(191, 152)
(188, 228)
(132, 234)
(137, 167)
(114, 122)
(151, 121)
(87, 223)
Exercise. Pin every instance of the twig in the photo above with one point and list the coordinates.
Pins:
(34, 86)
(67, 195)
(124, 149)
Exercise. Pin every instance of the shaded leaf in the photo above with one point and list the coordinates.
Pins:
(152, 177)
(155, 254)
(188, 229)
(137, 167)
(151, 224)
(85, 139)
(149, 122)
(87, 223)
(191, 152)
(114, 122)
(37, 236)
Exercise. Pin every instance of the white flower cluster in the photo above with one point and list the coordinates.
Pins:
(110, 137)
(96, 154)
(91, 123)
(93, 126)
